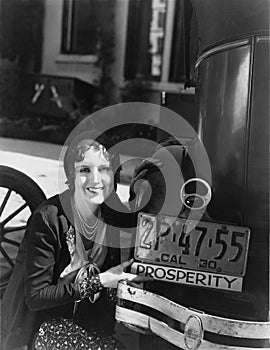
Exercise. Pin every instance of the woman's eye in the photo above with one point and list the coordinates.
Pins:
(85, 170)
(105, 168)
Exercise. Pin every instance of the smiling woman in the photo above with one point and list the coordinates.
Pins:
(93, 180)
(68, 266)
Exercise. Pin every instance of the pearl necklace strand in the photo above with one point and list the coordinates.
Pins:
(88, 231)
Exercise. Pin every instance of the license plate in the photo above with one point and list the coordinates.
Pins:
(187, 244)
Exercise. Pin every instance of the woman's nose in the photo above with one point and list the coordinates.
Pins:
(96, 176)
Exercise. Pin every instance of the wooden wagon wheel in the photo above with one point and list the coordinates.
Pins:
(19, 196)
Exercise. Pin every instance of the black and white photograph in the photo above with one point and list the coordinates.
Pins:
(134, 174)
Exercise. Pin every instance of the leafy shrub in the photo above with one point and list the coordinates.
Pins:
(134, 90)
(9, 88)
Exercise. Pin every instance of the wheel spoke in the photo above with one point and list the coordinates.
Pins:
(14, 229)
(6, 256)
(10, 241)
(5, 201)
(11, 216)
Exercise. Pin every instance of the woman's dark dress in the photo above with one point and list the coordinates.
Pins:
(34, 293)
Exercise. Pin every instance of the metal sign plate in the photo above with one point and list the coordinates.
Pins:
(203, 246)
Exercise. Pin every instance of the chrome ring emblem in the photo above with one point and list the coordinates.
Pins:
(193, 332)
(195, 200)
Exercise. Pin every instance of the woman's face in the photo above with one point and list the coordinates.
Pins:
(94, 178)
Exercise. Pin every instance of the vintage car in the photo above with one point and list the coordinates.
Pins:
(212, 275)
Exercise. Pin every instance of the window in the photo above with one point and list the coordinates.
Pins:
(155, 48)
(79, 30)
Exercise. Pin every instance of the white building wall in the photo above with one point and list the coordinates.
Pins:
(53, 62)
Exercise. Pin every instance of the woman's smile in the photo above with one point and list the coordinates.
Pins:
(95, 189)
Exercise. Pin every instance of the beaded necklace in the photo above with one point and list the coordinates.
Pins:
(88, 231)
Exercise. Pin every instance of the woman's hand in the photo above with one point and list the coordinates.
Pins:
(111, 277)
(141, 173)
